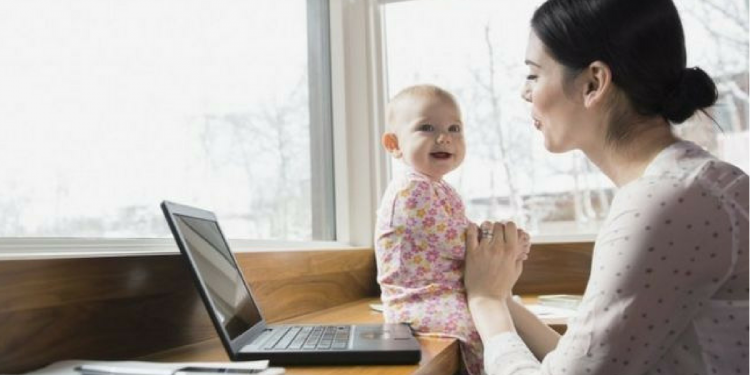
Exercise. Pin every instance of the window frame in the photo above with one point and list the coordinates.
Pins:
(341, 137)
(383, 170)
(321, 128)
(358, 105)
(345, 129)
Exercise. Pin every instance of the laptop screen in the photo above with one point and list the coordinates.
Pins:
(232, 302)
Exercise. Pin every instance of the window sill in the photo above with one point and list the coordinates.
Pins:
(53, 248)
(562, 238)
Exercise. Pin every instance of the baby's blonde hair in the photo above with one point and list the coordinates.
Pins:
(422, 90)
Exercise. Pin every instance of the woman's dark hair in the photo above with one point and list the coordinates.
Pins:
(643, 44)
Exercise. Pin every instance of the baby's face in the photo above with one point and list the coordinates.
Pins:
(430, 135)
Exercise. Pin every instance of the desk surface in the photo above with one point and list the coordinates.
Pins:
(439, 356)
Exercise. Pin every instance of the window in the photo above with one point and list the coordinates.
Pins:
(475, 49)
(110, 106)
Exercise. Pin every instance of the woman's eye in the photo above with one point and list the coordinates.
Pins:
(426, 128)
(531, 77)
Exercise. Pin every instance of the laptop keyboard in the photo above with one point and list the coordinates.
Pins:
(309, 338)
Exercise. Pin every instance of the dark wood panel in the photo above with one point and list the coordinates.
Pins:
(113, 308)
(29, 284)
(556, 268)
(292, 284)
(126, 307)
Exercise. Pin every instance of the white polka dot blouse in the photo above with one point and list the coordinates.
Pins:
(668, 289)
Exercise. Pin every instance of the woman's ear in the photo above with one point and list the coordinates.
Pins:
(597, 84)
(390, 142)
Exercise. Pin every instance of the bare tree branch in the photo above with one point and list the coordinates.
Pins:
(736, 16)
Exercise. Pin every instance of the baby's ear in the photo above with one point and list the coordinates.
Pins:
(390, 142)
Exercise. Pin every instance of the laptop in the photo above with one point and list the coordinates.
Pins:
(240, 323)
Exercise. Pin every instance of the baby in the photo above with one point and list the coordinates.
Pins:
(421, 226)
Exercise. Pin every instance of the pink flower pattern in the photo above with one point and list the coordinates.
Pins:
(419, 247)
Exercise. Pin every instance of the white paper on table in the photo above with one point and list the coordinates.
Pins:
(155, 368)
(551, 312)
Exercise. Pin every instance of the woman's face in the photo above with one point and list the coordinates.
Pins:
(557, 111)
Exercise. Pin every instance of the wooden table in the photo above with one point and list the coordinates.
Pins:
(439, 356)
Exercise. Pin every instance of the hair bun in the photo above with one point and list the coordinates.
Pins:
(695, 90)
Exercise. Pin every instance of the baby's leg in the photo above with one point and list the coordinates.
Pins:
(442, 315)
(471, 344)
(472, 353)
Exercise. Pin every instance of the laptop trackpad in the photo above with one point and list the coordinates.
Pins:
(384, 332)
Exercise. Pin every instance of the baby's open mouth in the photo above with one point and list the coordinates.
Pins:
(440, 155)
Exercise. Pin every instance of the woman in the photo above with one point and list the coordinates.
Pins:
(668, 289)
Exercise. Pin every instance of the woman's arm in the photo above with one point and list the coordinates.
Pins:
(491, 316)
(493, 266)
(537, 335)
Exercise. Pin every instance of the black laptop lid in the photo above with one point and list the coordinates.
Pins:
(216, 273)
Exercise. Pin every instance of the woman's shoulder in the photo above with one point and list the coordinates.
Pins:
(685, 178)
(686, 166)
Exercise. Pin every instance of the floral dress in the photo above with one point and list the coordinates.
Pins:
(420, 250)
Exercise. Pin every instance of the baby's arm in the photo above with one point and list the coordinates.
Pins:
(404, 251)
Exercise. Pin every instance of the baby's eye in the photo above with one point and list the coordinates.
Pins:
(454, 128)
(426, 128)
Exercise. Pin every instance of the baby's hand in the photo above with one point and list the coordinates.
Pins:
(524, 245)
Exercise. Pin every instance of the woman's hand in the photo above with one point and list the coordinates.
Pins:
(495, 261)
(493, 264)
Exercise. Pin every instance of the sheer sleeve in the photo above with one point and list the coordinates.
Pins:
(506, 354)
